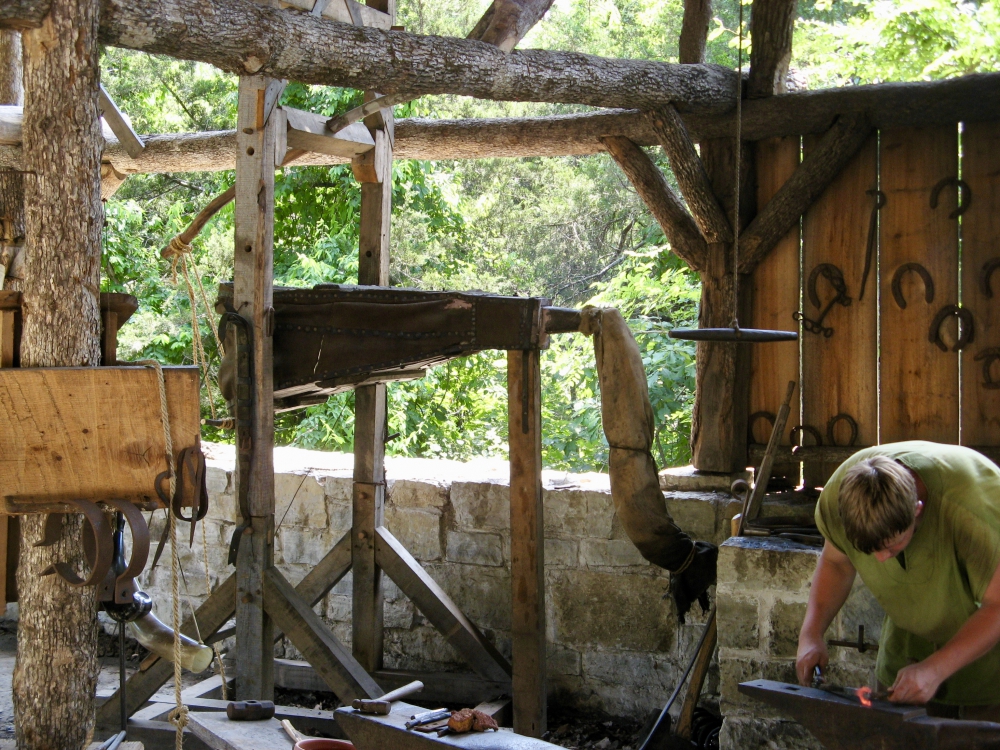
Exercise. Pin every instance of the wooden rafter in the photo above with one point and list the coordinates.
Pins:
(668, 210)
(690, 174)
(806, 184)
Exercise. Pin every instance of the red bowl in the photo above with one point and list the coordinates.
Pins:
(320, 743)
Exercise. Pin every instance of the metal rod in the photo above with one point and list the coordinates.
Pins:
(122, 678)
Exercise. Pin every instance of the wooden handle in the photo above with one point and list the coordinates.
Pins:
(401, 692)
(291, 731)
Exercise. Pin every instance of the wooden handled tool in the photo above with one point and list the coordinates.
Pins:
(383, 705)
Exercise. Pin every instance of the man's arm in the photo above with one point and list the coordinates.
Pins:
(918, 683)
(831, 586)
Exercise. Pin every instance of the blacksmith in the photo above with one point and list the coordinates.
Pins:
(920, 522)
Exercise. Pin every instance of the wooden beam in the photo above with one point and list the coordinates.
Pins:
(505, 22)
(310, 635)
(666, 207)
(462, 688)
(690, 173)
(119, 125)
(771, 25)
(307, 131)
(239, 36)
(328, 572)
(527, 541)
(438, 608)
(213, 613)
(253, 282)
(818, 169)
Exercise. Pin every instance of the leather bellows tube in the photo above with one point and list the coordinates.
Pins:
(628, 422)
(159, 638)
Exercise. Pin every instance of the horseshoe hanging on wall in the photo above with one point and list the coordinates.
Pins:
(801, 429)
(897, 279)
(984, 276)
(964, 195)
(752, 420)
(988, 357)
(832, 424)
(98, 548)
(965, 337)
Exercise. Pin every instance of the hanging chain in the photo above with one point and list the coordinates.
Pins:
(739, 163)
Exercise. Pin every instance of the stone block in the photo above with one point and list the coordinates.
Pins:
(784, 623)
(628, 669)
(861, 608)
(409, 493)
(736, 669)
(579, 513)
(398, 614)
(481, 592)
(339, 490)
(562, 660)
(697, 513)
(612, 553)
(218, 481)
(338, 608)
(297, 544)
(766, 563)
(345, 585)
(418, 530)
(765, 734)
(475, 549)
(299, 500)
(610, 610)
(561, 553)
(738, 622)
(420, 648)
(481, 506)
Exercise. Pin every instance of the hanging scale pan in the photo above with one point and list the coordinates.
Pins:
(738, 335)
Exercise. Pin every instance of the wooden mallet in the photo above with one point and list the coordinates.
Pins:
(382, 706)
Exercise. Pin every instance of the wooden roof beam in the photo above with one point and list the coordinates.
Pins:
(242, 37)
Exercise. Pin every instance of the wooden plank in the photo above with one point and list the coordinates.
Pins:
(300, 717)
(840, 373)
(775, 297)
(91, 432)
(334, 566)
(218, 732)
(310, 635)
(253, 297)
(308, 132)
(214, 612)
(119, 124)
(980, 230)
(919, 382)
(8, 330)
(438, 608)
(527, 541)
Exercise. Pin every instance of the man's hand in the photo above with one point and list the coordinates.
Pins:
(812, 653)
(917, 683)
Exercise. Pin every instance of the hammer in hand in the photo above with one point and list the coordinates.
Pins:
(383, 705)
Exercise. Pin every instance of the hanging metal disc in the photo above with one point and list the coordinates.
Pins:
(738, 335)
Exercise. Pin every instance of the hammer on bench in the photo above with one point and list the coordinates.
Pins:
(383, 705)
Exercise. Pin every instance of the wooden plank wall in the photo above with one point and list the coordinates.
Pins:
(775, 296)
(880, 366)
(840, 373)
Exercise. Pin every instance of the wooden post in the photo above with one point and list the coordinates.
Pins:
(252, 297)
(374, 171)
(527, 540)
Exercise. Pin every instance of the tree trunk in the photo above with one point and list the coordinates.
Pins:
(771, 26)
(56, 673)
(240, 36)
(11, 180)
(505, 22)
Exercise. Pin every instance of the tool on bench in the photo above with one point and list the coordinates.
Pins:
(382, 706)
(250, 710)
(303, 742)
(428, 717)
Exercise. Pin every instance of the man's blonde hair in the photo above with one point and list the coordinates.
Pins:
(878, 500)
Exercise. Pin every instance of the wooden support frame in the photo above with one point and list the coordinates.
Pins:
(252, 293)
(527, 541)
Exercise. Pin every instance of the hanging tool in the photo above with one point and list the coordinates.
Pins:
(237, 387)
(880, 201)
(988, 357)
(751, 507)
(382, 706)
(835, 276)
(967, 330)
(190, 490)
(964, 195)
(897, 278)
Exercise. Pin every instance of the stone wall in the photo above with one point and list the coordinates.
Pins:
(613, 640)
(763, 587)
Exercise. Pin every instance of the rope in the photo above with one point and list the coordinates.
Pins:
(739, 164)
(178, 251)
(178, 716)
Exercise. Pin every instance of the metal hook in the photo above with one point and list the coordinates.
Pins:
(897, 278)
(964, 195)
(99, 552)
(967, 330)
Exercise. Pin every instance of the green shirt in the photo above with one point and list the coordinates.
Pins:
(949, 563)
